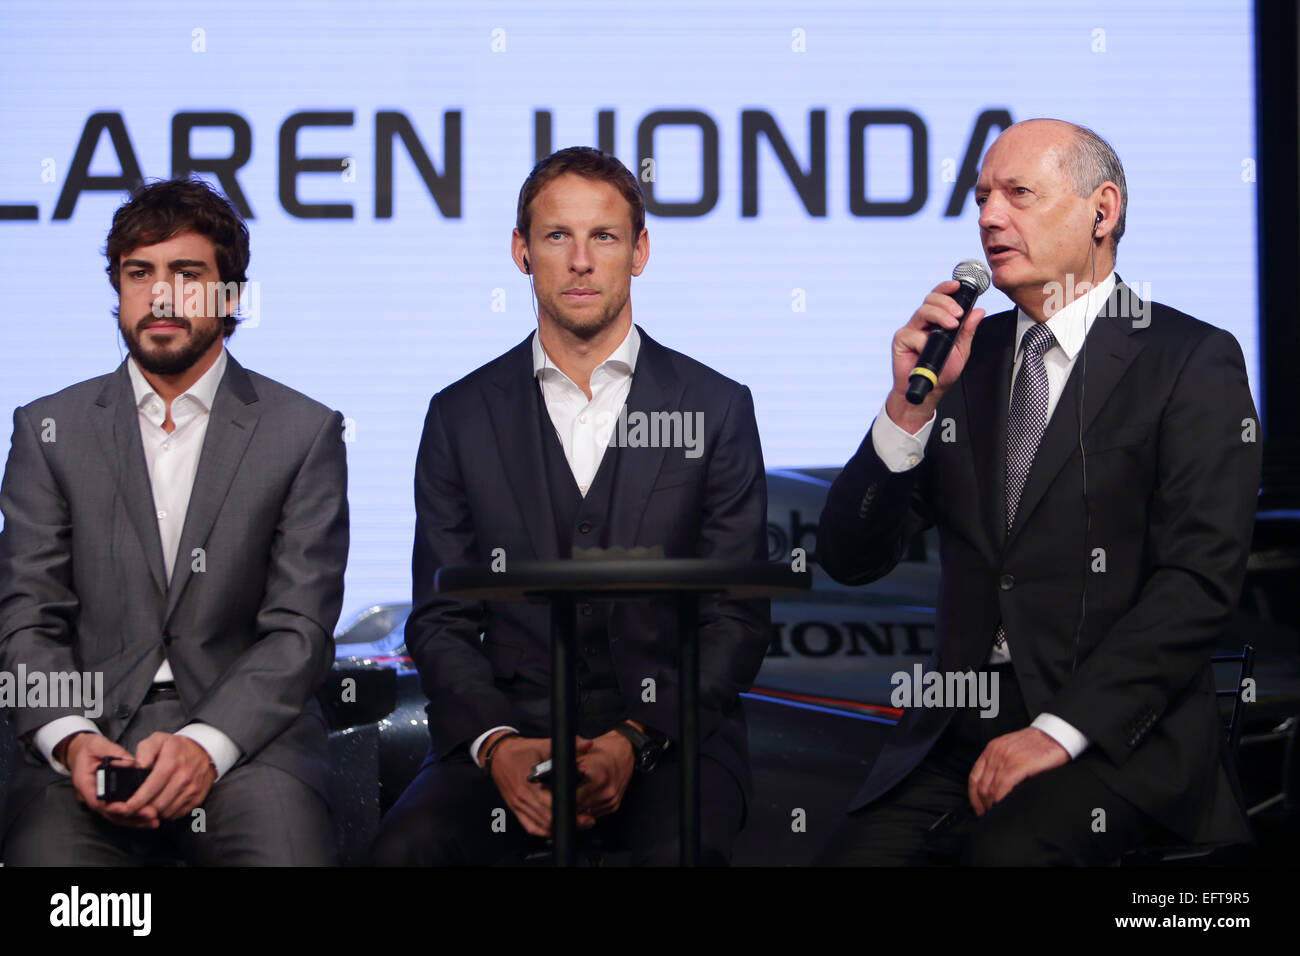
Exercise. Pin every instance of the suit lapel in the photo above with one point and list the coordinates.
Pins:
(519, 442)
(1108, 351)
(231, 422)
(513, 412)
(987, 383)
(655, 388)
(117, 427)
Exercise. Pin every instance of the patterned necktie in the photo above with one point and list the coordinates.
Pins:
(1028, 416)
(1026, 422)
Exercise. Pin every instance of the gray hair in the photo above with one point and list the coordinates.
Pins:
(1091, 162)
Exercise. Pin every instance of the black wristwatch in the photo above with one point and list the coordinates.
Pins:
(647, 747)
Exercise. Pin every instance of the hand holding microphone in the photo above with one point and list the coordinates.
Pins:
(930, 352)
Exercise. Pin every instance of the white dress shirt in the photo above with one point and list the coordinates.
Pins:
(583, 425)
(173, 461)
(901, 451)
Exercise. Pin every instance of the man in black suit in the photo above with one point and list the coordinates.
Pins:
(558, 444)
(1091, 463)
(178, 527)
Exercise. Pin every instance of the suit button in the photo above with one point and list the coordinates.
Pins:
(584, 527)
(123, 711)
(586, 609)
(1006, 582)
(168, 638)
(589, 651)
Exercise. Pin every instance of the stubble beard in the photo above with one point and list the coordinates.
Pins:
(579, 327)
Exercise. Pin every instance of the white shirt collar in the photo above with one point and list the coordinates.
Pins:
(621, 359)
(203, 392)
(1070, 324)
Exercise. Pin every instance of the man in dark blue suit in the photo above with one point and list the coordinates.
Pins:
(1090, 461)
(587, 434)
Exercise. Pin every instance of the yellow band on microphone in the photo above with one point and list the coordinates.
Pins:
(926, 373)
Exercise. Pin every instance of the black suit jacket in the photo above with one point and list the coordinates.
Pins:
(1164, 409)
(248, 617)
(480, 484)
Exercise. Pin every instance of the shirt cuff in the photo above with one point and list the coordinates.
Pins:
(221, 750)
(899, 450)
(478, 741)
(1064, 734)
(47, 737)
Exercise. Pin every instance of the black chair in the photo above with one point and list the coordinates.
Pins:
(1245, 660)
(354, 744)
(1175, 852)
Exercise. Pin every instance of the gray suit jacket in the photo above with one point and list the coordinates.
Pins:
(248, 618)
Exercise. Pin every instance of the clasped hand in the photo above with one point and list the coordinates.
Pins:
(180, 780)
(606, 762)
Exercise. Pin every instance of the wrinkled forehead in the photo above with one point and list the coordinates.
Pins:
(1019, 157)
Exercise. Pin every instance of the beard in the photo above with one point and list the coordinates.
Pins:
(170, 359)
(583, 325)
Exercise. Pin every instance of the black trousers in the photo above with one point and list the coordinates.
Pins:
(1065, 816)
(256, 815)
(451, 815)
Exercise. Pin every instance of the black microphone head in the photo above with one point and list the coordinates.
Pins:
(972, 272)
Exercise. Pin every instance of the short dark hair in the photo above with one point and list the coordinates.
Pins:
(590, 164)
(156, 211)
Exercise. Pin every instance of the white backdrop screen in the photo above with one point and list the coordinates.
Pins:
(807, 190)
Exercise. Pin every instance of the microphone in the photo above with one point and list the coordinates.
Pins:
(974, 280)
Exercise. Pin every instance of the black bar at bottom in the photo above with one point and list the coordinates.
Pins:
(564, 773)
(688, 670)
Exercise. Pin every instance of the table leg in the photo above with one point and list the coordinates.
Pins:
(564, 779)
(688, 672)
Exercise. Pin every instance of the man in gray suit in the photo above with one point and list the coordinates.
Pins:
(178, 528)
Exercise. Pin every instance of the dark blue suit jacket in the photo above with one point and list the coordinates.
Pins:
(480, 484)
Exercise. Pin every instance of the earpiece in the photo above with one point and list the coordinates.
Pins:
(528, 269)
(1096, 223)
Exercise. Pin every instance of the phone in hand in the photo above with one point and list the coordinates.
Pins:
(114, 784)
(542, 773)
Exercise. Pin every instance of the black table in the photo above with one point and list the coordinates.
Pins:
(563, 583)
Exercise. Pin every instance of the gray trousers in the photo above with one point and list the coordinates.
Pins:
(256, 815)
